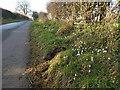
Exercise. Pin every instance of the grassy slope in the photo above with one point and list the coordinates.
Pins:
(80, 56)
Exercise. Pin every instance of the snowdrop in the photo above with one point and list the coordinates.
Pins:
(91, 58)
(92, 52)
(104, 51)
(65, 37)
(89, 70)
(75, 45)
(64, 57)
(81, 51)
(78, 54)
(99, 50)
(73, 49)
(89, 65)
(75, 74)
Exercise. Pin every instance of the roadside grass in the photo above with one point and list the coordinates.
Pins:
(10, 21)
(81, 56)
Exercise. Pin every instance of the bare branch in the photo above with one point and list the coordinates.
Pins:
(23, 7)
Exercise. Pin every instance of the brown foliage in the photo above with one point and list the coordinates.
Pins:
(76, 12)
(43, 16)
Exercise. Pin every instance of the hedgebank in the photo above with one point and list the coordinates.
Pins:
(79, 56)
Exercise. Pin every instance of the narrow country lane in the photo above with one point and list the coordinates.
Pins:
(15, 54)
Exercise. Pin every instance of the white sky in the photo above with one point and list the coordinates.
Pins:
(36, 5)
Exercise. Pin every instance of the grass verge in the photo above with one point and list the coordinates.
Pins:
(10, 21)
(81, 56)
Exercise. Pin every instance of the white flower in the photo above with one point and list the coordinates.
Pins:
(64, 57)
(73, 49)
(108, 58)
(89, 65)
(78, 54)
(75, 74)
(65, 37)
(82, 51)
(99, 50)
(89, 70)
(91, 58)
(74, 78)
(113, 81)
(104, 51)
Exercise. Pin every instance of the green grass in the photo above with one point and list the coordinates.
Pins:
(89, 59)
(10, 21)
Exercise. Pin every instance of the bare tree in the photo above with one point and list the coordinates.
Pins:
(23, 7)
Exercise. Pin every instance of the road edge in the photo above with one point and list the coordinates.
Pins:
(0, 56)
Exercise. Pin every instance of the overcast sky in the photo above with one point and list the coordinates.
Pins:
(36, 5)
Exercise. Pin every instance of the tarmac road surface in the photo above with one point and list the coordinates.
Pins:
(15, 54)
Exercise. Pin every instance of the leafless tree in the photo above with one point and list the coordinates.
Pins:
(23, 7)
